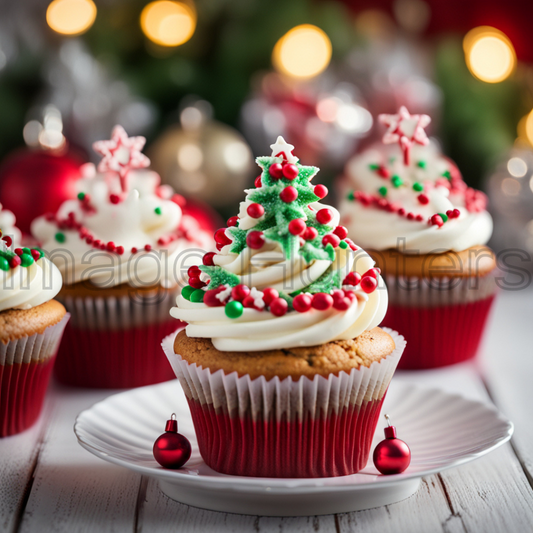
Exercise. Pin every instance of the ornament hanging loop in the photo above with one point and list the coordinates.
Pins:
(390, 430)
(172, 424)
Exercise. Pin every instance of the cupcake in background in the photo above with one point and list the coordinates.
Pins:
(282, 362)
(31, 325)
(408, 205)
(123, 246)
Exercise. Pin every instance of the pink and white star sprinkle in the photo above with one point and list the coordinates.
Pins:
(121, 154)
(405, 129)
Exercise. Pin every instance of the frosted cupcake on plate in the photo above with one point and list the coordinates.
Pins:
(407, 204)
(123, 246)
(31, 325)
(282, 361)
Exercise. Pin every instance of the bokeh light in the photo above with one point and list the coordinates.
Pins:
(303, 52)
(168, 23)
(71, 17)
(489, 54)
(525, 127)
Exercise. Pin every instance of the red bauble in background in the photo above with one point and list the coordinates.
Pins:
(392, 455)
(172, 450)
(34, 182)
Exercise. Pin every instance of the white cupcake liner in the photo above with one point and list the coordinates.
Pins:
(263, 399)
(436, 292)
(35, 348)
(112, 313)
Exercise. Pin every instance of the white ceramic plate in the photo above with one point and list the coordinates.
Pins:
(443, 430)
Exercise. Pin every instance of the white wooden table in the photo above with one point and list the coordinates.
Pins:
(49, 483)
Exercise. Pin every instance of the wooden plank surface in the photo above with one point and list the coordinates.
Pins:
(70, 490)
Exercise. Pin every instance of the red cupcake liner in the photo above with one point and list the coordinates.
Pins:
(318, 427)
(333, 445)
(118, 359)
(25, 368)
(439, 336)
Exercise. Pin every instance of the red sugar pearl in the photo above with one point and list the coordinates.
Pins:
(255, 210)
(114, 198)
(196, 283)
(410, 216)
(436, 220)
(310, 234)
(297, 226)
(210, 298)
(255, 240)
(207, 259)
(276, 171)
(258, 182)
(353, 278)
(331, 239)
(110, 246)
(269, 295)
(240, 292)
(350, 295)
(290, 171)
(383, 171)
(321, 191)
(147, 247)
(372, 272)
(288, 194)
(324, 216)
(193, 271)
(249, 302)
(103, 246)
(232, 221)
(119, 250)
(322, 301)
(35, 254)
(401, 211)
(221, 237)
(342, 304)
(419, 218)
(302, 303)
(15, 261)
(89, 239)
(278, 307)
(134, 250)
(341, 232)
(178, 199)
(96, 243)
(423, 199)
(19, 251)
(369, 284)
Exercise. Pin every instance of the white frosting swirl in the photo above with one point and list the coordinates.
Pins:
(378, 229)
(26, 287)
(261, 330)
(143, 216)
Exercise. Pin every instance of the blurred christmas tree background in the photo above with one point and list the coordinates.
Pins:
(206, 79)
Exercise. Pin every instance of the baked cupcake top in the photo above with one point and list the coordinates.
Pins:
(407, 195)
(27, 277)
(286, 274)
(123, 227)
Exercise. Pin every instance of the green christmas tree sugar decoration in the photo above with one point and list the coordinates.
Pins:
(218, 276)
(279, 171)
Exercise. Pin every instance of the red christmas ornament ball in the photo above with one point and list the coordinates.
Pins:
(255, 210)
(172, 450)
(297, 226)
(321, 191)
(392, 455)
(290, 171)
(255, 240)
(324, 216)
(34, 182)
(276, 171)
(278, 307)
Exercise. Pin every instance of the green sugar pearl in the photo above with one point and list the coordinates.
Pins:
(373, 166)
(187, 291)
(197, 296)
(4, 263)
(396, 181)
(350, 196)
(234, 309)
(383, 191)
(418, 187)
(421, 164)
(447, 174)
(343, 245)
(158, 211)
(444, 216)
(60, 237)
(26, 260)
(81, 195)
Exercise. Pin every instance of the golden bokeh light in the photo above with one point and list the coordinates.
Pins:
(71, 17)
(525, 127)
(168, 23)
(489, 54)
(303, 52)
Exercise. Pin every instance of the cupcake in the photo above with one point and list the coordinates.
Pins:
(122, 246)
(426, 230)
(283, 364)
(31, 325)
